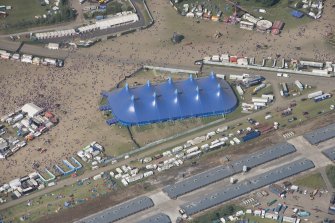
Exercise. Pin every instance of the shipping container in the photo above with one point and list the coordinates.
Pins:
(271, 202)
(251, 135)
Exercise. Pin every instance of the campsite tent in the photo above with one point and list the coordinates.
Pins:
(297, 14)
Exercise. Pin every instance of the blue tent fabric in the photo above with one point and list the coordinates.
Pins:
(172, 100)
(297, 14)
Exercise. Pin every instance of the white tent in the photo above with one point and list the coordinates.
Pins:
(31, 109)
(53, 46)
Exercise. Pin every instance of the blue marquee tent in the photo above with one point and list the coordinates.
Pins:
(297, 14)
(171, 100)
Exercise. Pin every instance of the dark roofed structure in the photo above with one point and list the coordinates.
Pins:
(246, 186)
(330, 153)
(321, 134)
(120, 211)
(221, 172)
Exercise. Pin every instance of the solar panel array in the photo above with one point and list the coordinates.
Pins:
(158, 218)
(321, 135)
(330, 153)
(120, 211)
(218, 173)
(233, 191)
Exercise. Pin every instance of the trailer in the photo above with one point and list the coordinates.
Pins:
(284, 89)
(216, 58)
(239, 90)
(191, 150)
(222, 129)
(322, 97)
(236, 140)
(314, 94)
(27, 58)
(194, 154)
(258, 88)
(259, 100)
(299, 85)
(215, 146)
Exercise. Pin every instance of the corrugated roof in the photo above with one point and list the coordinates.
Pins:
(330, 153)
(172, 100)
(158, 218)
(221, 172)
(321, 134)
(120, 211)
(236, 190)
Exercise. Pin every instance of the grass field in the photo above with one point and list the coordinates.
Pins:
(216, 214)
(330, 171)
(54, 202)
(255, 219)
(23, 10)
(22, 15)
(313, 109)
(295, 91)
(279, 11)
(313, 181)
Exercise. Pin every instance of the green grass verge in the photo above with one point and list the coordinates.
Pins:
(330, 170)
(313, 181)
(211, 216)
(54, 202)
(255, 219)
(26, 10)
(279, 11)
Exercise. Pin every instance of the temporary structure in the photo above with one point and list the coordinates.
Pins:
(31, 109)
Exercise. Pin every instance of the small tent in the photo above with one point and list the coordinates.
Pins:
(297, 14)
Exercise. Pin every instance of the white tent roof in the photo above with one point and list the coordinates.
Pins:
(31, 109)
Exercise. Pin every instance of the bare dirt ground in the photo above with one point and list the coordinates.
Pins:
(73, 91)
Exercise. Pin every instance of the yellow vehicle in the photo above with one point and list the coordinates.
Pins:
(103, 2)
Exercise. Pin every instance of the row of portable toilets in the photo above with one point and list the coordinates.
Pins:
(72, 166)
